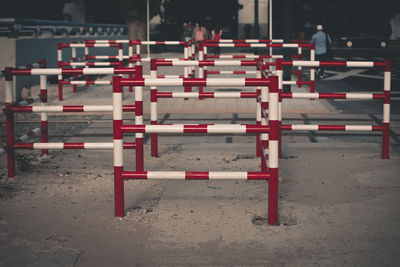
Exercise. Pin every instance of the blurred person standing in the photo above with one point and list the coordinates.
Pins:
(216, 34)
(188, 31)
(322, 41)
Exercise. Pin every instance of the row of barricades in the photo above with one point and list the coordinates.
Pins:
(267, 127)
(135, 58)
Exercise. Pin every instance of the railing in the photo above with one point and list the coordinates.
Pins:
(16, 27)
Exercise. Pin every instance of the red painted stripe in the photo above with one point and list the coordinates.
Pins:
(22, 109)
(134, 82)
(129, 145)
(129, 108)
(124, 70)
(194, 82)
(139, 108)
(255, 128)
(206, 63)
(72, 71)
(74, 146)
(239, 72)
(242, 45)
(195, 128)
(117, 132)
(73, 109)
(331, 127)
(258, 176)
(332, 96)
(248, 95)
(377, 128)
(22, 145)
(333, 63)
(248, 63)
(21, 71)
(197, 175)
(212, 71)
(378, 96)
(134, 175)
(133, 128)
(256, 82)
(387, 97)
(238, 56)
(207, 94)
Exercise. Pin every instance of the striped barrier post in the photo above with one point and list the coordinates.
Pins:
(268, 172)
(384, 128)
(9, 122)
(74, 61)
(154, 95)
(265, 43)
(11, 108)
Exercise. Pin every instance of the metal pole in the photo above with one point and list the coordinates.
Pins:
(270, 24)
(148, 28)
(256, 24)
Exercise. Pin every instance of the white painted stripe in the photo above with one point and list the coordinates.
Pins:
(227, 94)
(153, 111)
(101, 63)
(277, 40)
(102, 82)
(301, 127)
(306, 63)
(185, 94)
(228, 175)
(77, 64)
(9, 91)
(288, 83)
(108, 145)
(358, 127)
(48, 145)
(273, 153)
(117, 106)
(305, 95)
(78, 82)
(59, 55)
(291, 45)
(47, 108)
(45, 71)
(118, 153)
(273, 107)
(387, 82)
(226, 82)
(77, 45)
(359, 96)
(94, 71)
(226, 128)
(368, 64)
(163, 82)
(386, 113)
(227, 62)
(43, 117)
(97, 108)
(165, 175)
(164, 128)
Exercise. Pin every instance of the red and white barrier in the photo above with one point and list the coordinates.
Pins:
(385, 96)
(75, 63)
(269, 173)
(44, 108)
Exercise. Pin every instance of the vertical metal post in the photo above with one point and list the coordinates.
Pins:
(386, 113)
(139, 120)
(273, 151)
(43, 116)
(148, 28)
(153, 108)
(118, 148)
(9, 122)
(280, 104)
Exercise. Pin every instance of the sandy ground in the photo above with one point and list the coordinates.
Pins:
(339, 203)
